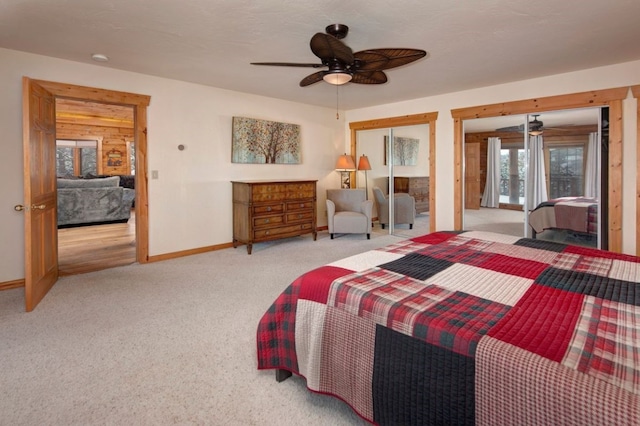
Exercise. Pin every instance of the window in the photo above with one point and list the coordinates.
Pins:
(512, 176)
(132, 157)
(566, 171)
(76, 158)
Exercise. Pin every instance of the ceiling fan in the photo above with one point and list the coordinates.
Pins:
(343, 66)
(535, 127)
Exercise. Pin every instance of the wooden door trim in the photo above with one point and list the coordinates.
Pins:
(476, 201)
(609, 97)
(399, 121)
(139, 104)
(635, 90)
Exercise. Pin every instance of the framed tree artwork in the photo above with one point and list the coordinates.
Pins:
(405, 151)
(265, 142)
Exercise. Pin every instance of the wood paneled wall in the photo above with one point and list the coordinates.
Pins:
(108, 138)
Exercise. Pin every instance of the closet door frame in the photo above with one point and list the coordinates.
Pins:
(610, 97)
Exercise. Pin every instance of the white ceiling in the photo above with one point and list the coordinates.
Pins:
(470, 43)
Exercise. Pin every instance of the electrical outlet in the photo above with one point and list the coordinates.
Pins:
(154, 174)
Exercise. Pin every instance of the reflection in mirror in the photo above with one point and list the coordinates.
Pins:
(513, 178)
(411, 147)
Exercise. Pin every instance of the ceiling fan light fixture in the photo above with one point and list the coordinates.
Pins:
(337, 77)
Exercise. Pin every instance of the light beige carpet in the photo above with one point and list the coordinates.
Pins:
(165, 343)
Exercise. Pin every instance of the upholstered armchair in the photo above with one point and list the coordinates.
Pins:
(349, 212)
(404, 207)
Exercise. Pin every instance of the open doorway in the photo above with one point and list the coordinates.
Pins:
(95, 169)
(40, 209)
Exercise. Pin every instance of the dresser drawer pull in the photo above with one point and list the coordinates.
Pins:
(299, 216)
(268, 209)
(267, 233)
(301, 205)
(267, 221)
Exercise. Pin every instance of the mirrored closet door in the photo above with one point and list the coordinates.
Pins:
(393, 166)
(537, 175)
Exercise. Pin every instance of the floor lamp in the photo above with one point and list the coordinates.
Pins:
(363, 164)
(345, 165)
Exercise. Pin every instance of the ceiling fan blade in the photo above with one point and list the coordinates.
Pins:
(312, 78)
(518, 128)
(565, 128)
(369, 77)
(328, 48)
(384, 59)
(287, 64)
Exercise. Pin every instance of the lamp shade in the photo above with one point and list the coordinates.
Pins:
(363, 163)
(345, 162)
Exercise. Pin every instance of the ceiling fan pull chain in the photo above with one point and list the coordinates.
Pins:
(337, 109)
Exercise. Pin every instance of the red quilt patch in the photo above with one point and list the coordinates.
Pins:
(542, 322)
(315, 285)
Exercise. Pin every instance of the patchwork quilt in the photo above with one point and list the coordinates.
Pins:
(577, 214)
(466, 328)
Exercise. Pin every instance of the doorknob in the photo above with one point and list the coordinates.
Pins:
(20, 207)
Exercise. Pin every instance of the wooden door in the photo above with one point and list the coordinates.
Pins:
(472, 176)
(40, 201)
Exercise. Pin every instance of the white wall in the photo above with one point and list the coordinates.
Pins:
(619, 75)
(190, 203)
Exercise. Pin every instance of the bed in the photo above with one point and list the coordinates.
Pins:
(466, 328)
(575, 214)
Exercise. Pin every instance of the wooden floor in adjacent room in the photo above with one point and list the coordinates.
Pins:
(92, 248)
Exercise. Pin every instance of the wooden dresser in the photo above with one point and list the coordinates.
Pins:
(416, 186)
(270, 210)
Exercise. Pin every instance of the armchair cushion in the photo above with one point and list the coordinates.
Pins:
(404, 207)
(349, 212)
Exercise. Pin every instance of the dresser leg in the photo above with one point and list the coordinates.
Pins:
(249, 247)
(315, 236)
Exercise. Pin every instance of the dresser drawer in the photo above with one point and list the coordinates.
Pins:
(267, 221)
(300, 205)
(299, 216)
(281, 231)
(419, 183)
(268, 209)
(307, 187)
(268, 188)
(269, 192)
(301, 190)
(269, 196)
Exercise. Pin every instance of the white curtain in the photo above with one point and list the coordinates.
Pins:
(591, 170)
(491, 194)
(537, 185)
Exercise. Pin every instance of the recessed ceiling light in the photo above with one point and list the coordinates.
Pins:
(99, 57)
